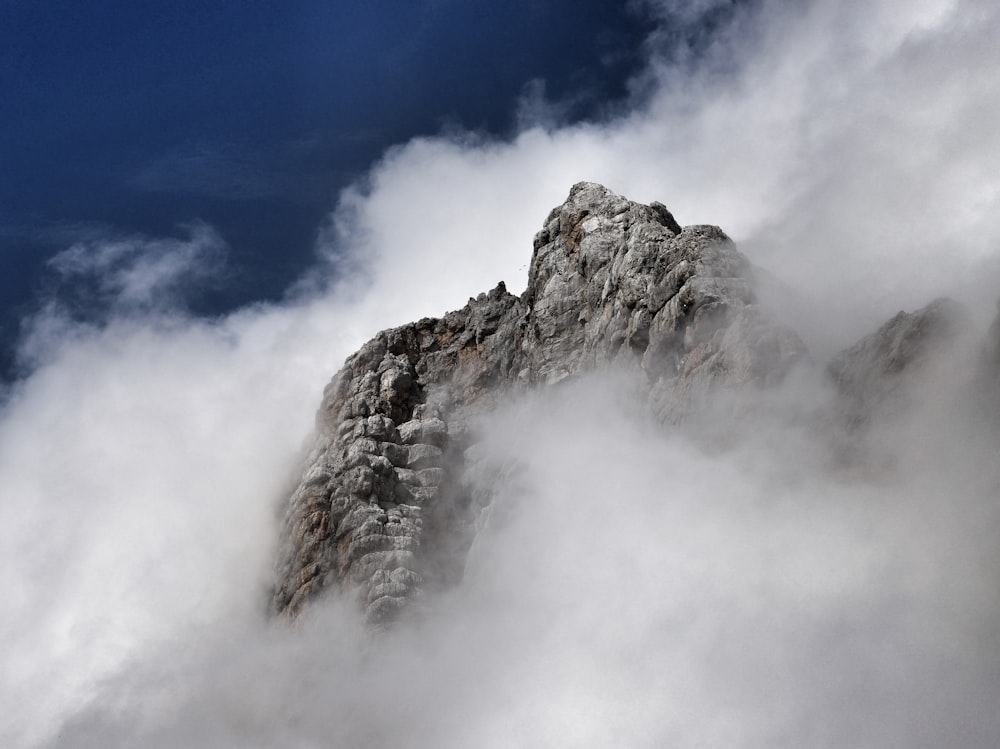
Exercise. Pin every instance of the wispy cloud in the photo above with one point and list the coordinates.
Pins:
(139, 273)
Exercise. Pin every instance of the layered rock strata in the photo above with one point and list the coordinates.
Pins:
(381, 508)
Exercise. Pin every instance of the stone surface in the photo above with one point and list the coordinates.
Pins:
(878, 375)
(381, 508)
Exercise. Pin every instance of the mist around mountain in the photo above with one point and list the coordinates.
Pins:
(820, 575)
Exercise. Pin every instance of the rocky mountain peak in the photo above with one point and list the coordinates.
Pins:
(382, 508)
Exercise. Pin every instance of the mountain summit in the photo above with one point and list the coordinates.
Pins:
(382, 506)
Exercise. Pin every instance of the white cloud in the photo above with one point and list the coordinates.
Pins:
(138, 272)
(632, 589)
(642, 591)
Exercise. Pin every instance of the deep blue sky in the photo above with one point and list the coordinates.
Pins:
(140, 116)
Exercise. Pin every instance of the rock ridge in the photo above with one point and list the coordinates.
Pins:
(381, 508)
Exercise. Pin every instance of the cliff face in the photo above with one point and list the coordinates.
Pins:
(382, 509)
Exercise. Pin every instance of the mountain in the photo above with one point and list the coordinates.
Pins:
(387, 505)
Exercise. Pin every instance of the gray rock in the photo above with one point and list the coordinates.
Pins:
(611, 283)
(431, 431)
(424, 456)
(877, 375)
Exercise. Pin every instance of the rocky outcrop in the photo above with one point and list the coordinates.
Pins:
(381, 508)
(877, 376)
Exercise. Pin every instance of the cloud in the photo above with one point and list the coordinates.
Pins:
(630, 588)
(107, 278)
(138, 494)
(633, 588)
(136, 272)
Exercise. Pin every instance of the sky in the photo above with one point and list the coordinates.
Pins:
(251, 117)
(205, 211)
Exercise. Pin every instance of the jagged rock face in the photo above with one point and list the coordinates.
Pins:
(615, 281)
(381, 507)
(877, 375)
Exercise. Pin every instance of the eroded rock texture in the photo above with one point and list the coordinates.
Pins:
(381, 508)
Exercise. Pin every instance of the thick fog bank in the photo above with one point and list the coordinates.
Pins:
(634, 587)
